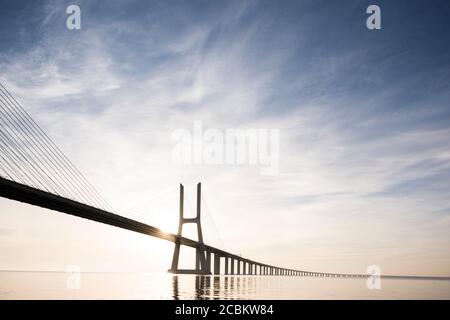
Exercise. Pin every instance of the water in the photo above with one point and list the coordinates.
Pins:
(60, 285)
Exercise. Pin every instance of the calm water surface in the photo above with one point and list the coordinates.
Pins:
(56, 285)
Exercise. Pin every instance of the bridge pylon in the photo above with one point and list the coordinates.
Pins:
(202, 266)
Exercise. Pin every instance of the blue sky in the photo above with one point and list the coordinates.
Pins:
(363, 118)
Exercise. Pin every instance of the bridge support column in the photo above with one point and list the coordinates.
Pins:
(226, 265)
(244, 267)
(216, 264)
(208, 262)
(232, 265)
(238, 266)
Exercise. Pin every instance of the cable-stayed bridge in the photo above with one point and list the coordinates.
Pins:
(35, 171)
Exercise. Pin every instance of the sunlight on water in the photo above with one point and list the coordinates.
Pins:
(54, 285)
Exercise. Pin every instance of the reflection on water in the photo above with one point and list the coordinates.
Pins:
(218, 287)
(54, 285)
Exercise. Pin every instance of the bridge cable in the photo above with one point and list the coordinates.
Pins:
(19, 144)
(60, 190)
(9, 152)
(46, 144)
(62, 158)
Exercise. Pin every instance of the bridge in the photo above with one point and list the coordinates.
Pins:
(33, 170)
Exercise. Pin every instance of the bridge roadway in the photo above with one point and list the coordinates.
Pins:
(234, 264)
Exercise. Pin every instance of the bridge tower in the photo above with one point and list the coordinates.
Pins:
(201, 264)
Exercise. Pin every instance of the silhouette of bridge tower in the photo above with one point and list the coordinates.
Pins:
(201, 265)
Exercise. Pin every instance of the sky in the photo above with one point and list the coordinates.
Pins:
(363, 120)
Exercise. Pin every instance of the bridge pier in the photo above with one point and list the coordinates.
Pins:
(208, 262)
(226, 265)
(216, 264)
(232, 265)
(238, 266)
